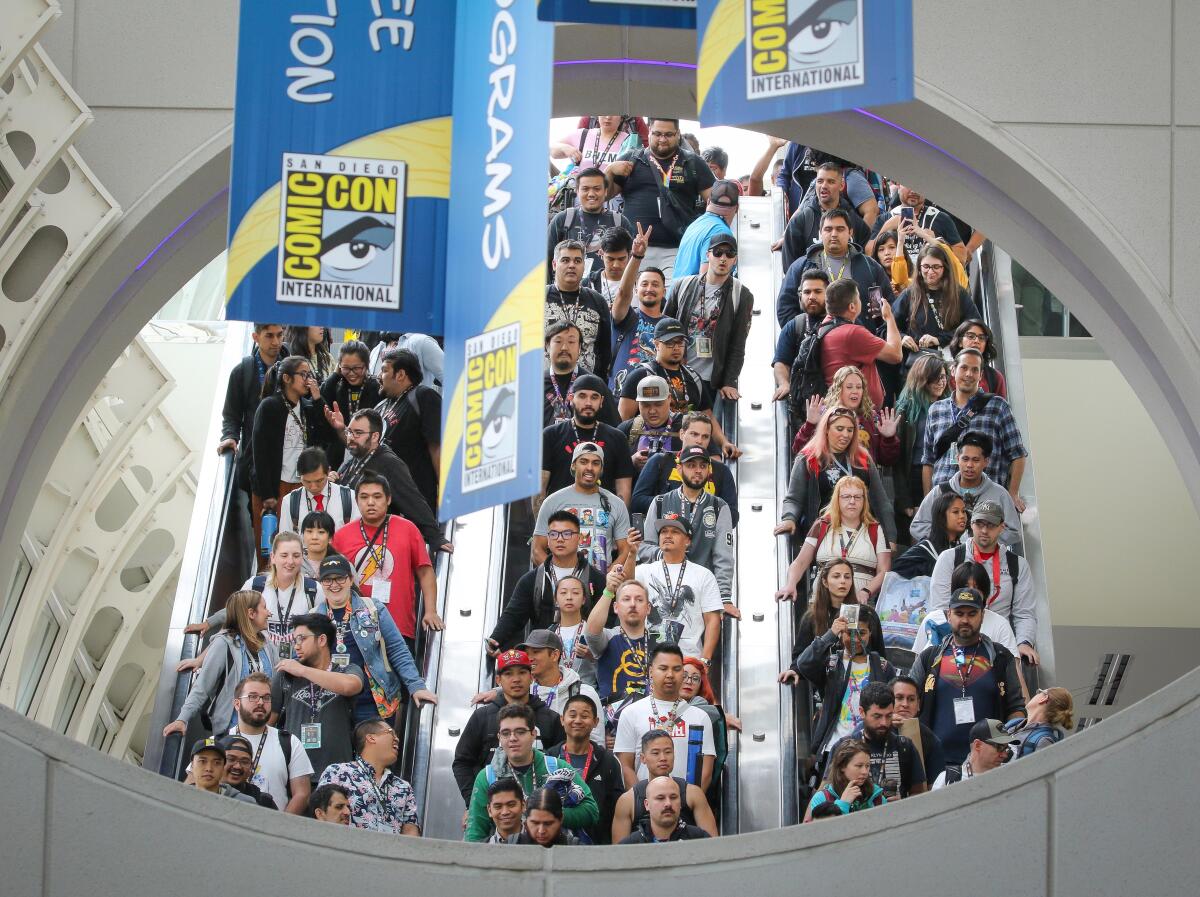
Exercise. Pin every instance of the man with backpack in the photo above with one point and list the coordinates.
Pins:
(813, 283)
(317, 493)
(587, 223)
(663, 185)
(279, 766)
(1012, 584)
(804, 227)
(412, 419)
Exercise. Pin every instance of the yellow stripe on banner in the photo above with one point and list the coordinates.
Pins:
(524, 306)
(424, 145)
(726, 29)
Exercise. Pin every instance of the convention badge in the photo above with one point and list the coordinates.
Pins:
(285, 650)
(703, 347)
(340, 660)
(849, 613)
(381, 589)
(310, 736)
(964, 711)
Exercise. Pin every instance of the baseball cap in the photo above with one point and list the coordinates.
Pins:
(590, 382)
(584, 448)
(689, 452)
(992, 732)
(541, 638)
(967, 598)
(723, 196)
(335, 565)
(207, 744)
(652, 389)
(722, 239)
(678, 521)
(668, 329)
(513, 658)
(988, 511)
(236, 743)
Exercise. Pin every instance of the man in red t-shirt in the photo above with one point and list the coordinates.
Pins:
(851, 343)
(389, 557)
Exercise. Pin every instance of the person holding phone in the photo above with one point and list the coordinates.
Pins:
(918, 223)
(930, 310)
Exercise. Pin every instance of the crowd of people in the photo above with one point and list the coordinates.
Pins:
(915, 612)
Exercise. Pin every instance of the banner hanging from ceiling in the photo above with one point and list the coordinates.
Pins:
(645, 13)
(764, 60)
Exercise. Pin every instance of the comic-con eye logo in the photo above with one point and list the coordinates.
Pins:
(799, 46)
(490, 411)
(340, 232)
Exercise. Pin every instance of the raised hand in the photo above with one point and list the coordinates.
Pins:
(642, 240)
(813, 409)
(889, 421)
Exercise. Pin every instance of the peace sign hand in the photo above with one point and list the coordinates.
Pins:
(642, 240)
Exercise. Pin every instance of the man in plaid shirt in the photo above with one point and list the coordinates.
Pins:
(379, 800)
(967, 408)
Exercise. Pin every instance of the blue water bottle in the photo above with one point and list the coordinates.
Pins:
(270, 526)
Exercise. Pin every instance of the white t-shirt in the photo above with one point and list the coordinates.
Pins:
(295, 596)
(299, 504)
(679, 608)
(273, 775)
(640, 717)
(994, 627)
(293, 445)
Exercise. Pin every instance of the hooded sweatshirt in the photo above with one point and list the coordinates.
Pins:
(555, 697)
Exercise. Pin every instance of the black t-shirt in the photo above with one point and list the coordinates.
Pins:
(689, 178)
(588, 228)
(589, 312)
(559, 440)
(686, 392)
(556, 404)
(412, 425)
(933, 218)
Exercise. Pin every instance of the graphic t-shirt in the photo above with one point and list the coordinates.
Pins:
(689, 727)
(702, 327)
(980, 688)
(393, 556)
(603, 520)
(850, 714)
(633, 345)
(686, 393)
(587, 310)
(621, 663)
(679, 598)
(307, 706)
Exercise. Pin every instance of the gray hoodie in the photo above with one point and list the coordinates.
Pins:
(218, 677)
(988, 490)
(571, 684)
(712, 535)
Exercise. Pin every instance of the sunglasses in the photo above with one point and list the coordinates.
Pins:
(723, 253)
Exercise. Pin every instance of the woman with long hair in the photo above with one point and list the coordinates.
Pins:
(946, 528)
(975, 334)
(290, 417)
(834, 451)
(846, 529)
(928, 380)
(893, 262)
(832, 587)
(570, 597)
(312, 344)
(544, 821)
(238, 650)
(1049, 714)
(876, 427)
(928, 312)
(696, 689)
(847, 787)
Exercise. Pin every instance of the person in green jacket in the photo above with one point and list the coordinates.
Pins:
(518, 759)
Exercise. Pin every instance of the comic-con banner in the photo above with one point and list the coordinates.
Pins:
(492, 412)
(646, 13)
(763, 60)
(341, 164)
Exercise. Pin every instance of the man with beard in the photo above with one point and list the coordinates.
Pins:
(654, 429)
(559, 441)
(895, 764)
(567, 299)
(661, 473)
(279, 767)
(558, 383)
(711, 545)
(349, 389)
(368, 453)
(633, 325)
(658, 759)
(966, 678)
(602, 515)
(685, 599)
(812, 312)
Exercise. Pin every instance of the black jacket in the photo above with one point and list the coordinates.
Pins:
(336, 389)
(815, 666)
(406, 497)
(804, 227)
(733, 327)
(683, 832)
(267, 439)
(480, 738)
(532, 601)
(260, 797)
(926, 669)
(237, 415)
(607, 784)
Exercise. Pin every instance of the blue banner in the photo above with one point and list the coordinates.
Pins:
(339, 189)
(492, 413)
(646, 13)
(763, 60)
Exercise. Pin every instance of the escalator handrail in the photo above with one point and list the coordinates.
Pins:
(215, 490)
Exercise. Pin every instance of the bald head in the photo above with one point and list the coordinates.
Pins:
(663, 802)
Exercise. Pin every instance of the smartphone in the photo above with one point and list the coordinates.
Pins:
(874, 301)
(849, 613)
(638, 522)
(906, 215)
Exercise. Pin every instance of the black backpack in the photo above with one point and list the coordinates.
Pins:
(808, 374)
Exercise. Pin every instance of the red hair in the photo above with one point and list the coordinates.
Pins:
(706, 690)
(816, 451)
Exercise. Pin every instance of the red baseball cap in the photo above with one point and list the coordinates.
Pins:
(512, 658)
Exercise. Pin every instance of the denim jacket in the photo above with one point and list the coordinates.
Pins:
(383, 647)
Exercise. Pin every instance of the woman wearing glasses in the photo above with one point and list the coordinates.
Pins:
(290, 417)
(928, 312)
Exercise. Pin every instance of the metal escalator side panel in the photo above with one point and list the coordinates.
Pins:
(215, 490)
(470, 607)
(1000, 312)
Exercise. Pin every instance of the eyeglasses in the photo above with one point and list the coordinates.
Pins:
(693, 679)
(851, 497)
(664, 134)
(723, 253)
(256, 699)
(357, 369)
(358, 433)
(335, 580)
(973, 336)
(514, 733)
(933, 267)
(306, 375)
(561, 535)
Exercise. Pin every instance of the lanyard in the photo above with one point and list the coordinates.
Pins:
(666, 175)
(599, 156)
(587, 763)
(846, 546)
(847, 468)
(370, 545)
(933, 308)
(570, 312)
(960, 660)
(262, 741)
(384, 809)
(314, 694)
(980, 558)
(355, 471)
(578, 439)
(341, 627)
(287, 614)
(692, 511)
(678, 397)
(562, 404)
(294, 414)
(829, 271)
(674, 590)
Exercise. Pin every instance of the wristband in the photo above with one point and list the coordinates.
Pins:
(642, 256)
(607, 593)
(707, 663)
